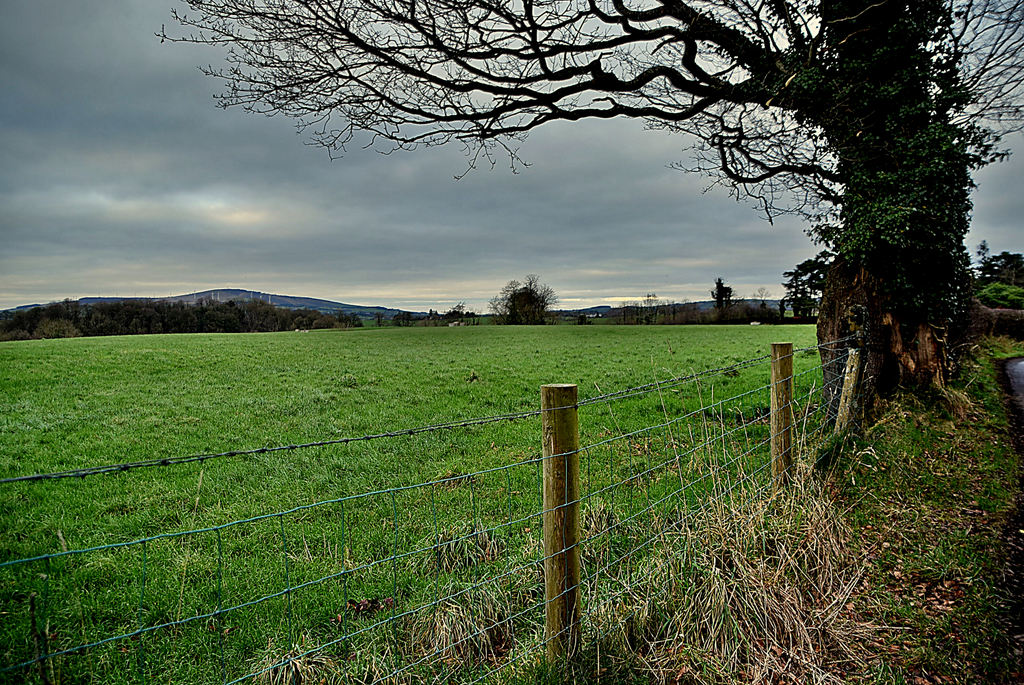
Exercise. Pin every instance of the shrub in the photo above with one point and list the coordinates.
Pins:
(57, 328)
(1002, 295)
(16, 334)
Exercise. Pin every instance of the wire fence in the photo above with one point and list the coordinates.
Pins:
(441, 580)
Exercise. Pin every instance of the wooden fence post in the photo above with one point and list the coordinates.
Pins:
(851, 379)
(560, 425)
(782, 412)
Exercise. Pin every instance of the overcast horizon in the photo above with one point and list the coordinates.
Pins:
(122, 178)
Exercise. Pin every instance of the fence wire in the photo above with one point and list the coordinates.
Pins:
(439, 580)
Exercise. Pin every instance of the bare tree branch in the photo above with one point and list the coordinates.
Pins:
(735, 75)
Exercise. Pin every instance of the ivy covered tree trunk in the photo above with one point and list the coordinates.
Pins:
(905, 204)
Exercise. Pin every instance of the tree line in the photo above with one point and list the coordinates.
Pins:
(69, 319)
(998, 282)
(727, 309)
(530, 302)
(457, 315)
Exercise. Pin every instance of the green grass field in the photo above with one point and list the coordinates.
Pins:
(69, 404)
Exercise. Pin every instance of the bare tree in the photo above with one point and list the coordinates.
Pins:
(523, 303)
(866, 115)
(651, 308)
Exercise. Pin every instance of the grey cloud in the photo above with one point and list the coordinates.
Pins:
(121, 176)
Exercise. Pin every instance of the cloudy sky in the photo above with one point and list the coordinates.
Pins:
(121, 177)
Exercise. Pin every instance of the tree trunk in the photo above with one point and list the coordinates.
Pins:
(897, 351)
(905, 165)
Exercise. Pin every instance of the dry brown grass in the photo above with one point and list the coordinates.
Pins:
(466, 626)
(298, 668)
(959, 404)
(748, 590)
(464, 546)
(751, 588)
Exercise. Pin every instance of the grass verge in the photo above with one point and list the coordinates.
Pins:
(928, 491)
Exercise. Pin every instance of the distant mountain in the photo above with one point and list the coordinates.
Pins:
(239, 295)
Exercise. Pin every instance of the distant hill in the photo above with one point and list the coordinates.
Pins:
(601, 310)
(239, 295)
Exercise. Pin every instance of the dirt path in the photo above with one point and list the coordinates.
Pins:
(1014, 532)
